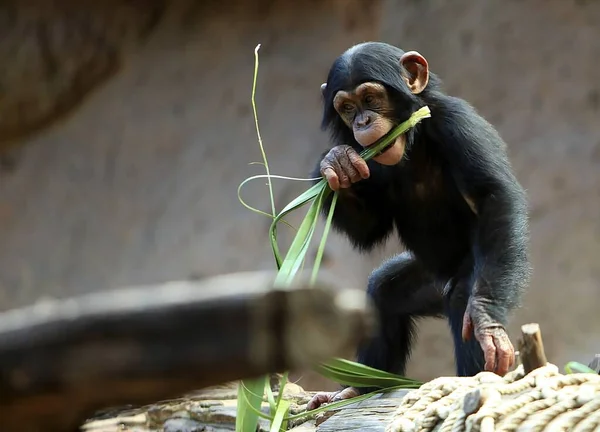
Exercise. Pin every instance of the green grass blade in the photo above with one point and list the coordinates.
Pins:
(282, 384)
(255, 115)
(270, 396)
(342, 377)
(355, 368)
(299, 246)
(248, 404)
(575, 367)
(300, 201)
(279, 422)
(321, 249)
(254, 209)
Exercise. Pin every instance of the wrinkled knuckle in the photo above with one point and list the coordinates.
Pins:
(490, 347)
(350, 152)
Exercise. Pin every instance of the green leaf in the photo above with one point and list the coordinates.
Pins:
(321, 249)
(575, 367)
(290, 265)
(351, 367)
(300, 201)
(270, 396)
(248, 404)
(279, 422)
(359, 380)
(282, 384)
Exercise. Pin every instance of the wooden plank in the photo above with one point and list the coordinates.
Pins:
(60, 360)
(370, 415)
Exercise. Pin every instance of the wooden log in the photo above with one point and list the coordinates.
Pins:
(531, 347)
(61, 360)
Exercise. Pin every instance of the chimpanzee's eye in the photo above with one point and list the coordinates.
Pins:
(369, 99)
(348, 108)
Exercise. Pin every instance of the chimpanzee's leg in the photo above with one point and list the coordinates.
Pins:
(468, 354)
(401, 290)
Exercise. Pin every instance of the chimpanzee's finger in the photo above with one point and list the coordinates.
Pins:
(489, 352)
(504, 353)
(344, 180)
(358, 163)
(331, 177)
(350, 170)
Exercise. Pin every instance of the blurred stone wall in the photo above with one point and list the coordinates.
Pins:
(127, 128)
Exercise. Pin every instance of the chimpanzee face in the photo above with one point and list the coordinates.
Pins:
(367, 110)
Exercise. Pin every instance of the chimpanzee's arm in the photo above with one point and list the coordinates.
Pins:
(362, 211)
(500, 247)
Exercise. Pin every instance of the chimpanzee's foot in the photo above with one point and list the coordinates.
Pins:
(328, 397)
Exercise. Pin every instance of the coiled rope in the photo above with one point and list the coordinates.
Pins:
(543, 400)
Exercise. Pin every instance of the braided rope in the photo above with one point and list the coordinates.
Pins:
(543, 400)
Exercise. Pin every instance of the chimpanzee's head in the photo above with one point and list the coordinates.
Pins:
(371, 88)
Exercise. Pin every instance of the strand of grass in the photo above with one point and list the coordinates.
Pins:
(341, 377)
(246, 418)
(271, 176)
(270, 397)
(248, 404)
(260, 142)
(295, 204)
(576, 367)
(321, 249)
(279, 422)
(361, 369)
(282, 384)
(297, 251)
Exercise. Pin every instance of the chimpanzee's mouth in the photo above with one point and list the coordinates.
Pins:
(385, 149)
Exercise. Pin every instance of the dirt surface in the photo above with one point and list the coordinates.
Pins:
(139, 183)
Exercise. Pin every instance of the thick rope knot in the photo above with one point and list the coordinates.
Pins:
(541, 400)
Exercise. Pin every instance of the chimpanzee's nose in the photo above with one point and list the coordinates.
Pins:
(363, 120)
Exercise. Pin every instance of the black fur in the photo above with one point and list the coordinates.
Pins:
(450, 249)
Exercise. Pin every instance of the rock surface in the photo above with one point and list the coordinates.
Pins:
(138, 183)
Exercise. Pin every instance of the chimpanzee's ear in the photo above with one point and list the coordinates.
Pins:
(418, 70)
(323, 87)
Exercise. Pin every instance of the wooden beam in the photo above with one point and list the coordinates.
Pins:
(62, 360)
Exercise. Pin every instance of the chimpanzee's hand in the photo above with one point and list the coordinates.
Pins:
(327, 397)
(497, 347)
(343, 166)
